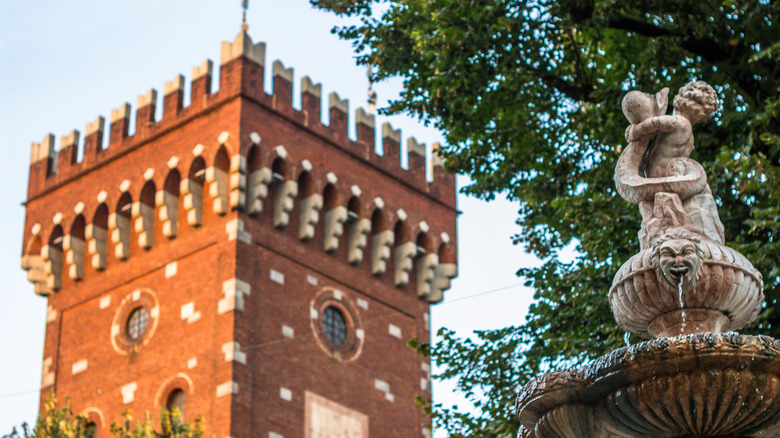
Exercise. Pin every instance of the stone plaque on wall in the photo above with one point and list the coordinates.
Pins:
(328, 419)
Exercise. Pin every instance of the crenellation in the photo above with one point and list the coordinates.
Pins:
(150, 98)
(282, 85)
(173, 97)
(145, 110)
(69, 149)
(388, 133)
(339, 114)
(310, 115)
(120, 125)
(242, 46)
(43, 150)
(205, 69)
(176, 84)
(390, 159)
(365, 130)
(200, 88)
(417, 163)
(311, 102)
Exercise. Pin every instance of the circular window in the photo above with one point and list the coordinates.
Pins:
(334, 325)
(135, 321)
(137, 324)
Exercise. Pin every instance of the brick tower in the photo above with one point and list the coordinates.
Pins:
(240, 259)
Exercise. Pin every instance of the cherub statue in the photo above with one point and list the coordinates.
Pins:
(656, 162)
(672, 136)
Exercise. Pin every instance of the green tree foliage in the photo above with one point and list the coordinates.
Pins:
(528, 96)
(56, 422)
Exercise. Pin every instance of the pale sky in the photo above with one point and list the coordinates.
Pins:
(62, 64)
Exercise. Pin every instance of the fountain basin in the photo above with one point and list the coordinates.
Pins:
(725, 286)
(704, 385)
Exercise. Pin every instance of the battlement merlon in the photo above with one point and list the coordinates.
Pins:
(242, 46)
(241, 66)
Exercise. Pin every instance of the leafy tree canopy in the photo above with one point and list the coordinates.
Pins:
(527, 93)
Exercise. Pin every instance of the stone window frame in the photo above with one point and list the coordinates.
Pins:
(352, 346)
(120, 339)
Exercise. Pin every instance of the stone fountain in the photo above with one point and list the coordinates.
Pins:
(686, 291)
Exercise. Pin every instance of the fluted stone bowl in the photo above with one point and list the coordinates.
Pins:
(705, 385)
(724, 295)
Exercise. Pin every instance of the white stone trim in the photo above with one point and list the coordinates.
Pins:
(234, 290)
(204, 69)
(145, 100)
(381, 385)
(232, 352)
(192, 363)
(276, 276)
(285, 73)
(235, 231)
(96, 126)
(288, 332)
(171, 269)
(123, 112)
(51, 314)
(79, 366)
(128, 392)
(105, 301)
(363, 304)
(285, 394)
(255, 138)
(312, 280)
(394, 331)
(188, 312)
(47, 374)
(227, 388)
(175, 84)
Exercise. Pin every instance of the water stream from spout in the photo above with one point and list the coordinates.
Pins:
(682, 305)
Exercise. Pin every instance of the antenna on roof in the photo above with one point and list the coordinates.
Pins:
(244, 6)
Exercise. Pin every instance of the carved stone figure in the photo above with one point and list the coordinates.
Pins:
(679, 257)
(656, 161)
